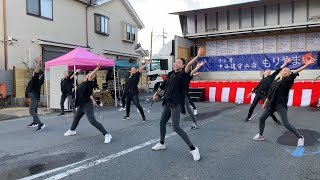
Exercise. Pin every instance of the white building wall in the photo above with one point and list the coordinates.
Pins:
(67, 26)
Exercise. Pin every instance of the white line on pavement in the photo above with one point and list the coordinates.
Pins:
(54, 170)
(113, 156)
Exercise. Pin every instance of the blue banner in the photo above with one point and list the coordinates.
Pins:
(254, 62)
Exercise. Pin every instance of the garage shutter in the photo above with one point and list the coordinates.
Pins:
(52, 52)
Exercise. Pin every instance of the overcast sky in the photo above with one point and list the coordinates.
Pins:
(155, 15)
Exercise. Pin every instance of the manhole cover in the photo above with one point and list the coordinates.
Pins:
(310, 138)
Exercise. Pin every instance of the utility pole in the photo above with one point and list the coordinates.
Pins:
(151, 44)
(163, 35)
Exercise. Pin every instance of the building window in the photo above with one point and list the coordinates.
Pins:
(40, 8)
(101, 24)
(133, 33)
(130, 33)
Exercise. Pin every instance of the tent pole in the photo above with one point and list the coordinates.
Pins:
(75, 83)
(45, 76)
(120, 96)
(115, 86)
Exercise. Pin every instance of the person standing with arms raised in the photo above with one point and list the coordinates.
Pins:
(66, 90)
(173, 100)
(187, 99)
(261, 91)
(277, 101)
(132, 91)
(33, 92)
(85, 103)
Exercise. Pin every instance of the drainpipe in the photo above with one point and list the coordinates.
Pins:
(5, 45)
(87, 33)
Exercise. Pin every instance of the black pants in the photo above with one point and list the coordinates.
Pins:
(123, 100)
(256, 100)
(88, 110)
(172, 111)
(191, 103)
(135, 100)
(282, 111)
(33, 108)
(70, 99)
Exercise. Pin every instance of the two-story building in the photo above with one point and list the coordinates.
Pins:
(51, 28)
(273, 28)
(242, 40)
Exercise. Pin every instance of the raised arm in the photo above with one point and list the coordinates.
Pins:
(144, 66)
(286, 62)
(199, 65)
(307, 64)
(91, 74)
(38, 61)
(200, 53)
(75, 73)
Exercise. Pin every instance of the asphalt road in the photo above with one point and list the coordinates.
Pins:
(225, 143)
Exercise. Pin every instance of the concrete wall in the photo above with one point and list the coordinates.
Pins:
(118, 16)
(67, 26)
(254, 16)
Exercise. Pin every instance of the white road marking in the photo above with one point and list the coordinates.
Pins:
(112, 156)
(54, 170)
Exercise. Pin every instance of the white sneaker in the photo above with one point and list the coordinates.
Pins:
(301, 141)
(70, 133)
(107, 138)
(122, 109)
(258, 138)
(196, 154)
(158, 146)
(195, 112)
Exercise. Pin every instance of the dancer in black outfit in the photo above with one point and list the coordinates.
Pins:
(124, 93)
(85, 103)
(277, 100)
(187, 96)
(33, 92)
(132, 91)
(173, 100)
(261, 91)
(66, 90)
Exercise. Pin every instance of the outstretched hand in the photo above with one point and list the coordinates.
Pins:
(288, 60)
(98, 64)
(201, 51)
(39, 59)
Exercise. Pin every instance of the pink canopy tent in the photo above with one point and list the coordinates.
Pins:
(81, 59)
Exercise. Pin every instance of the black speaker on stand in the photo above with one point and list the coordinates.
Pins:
(163, 64)
(193, 51)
